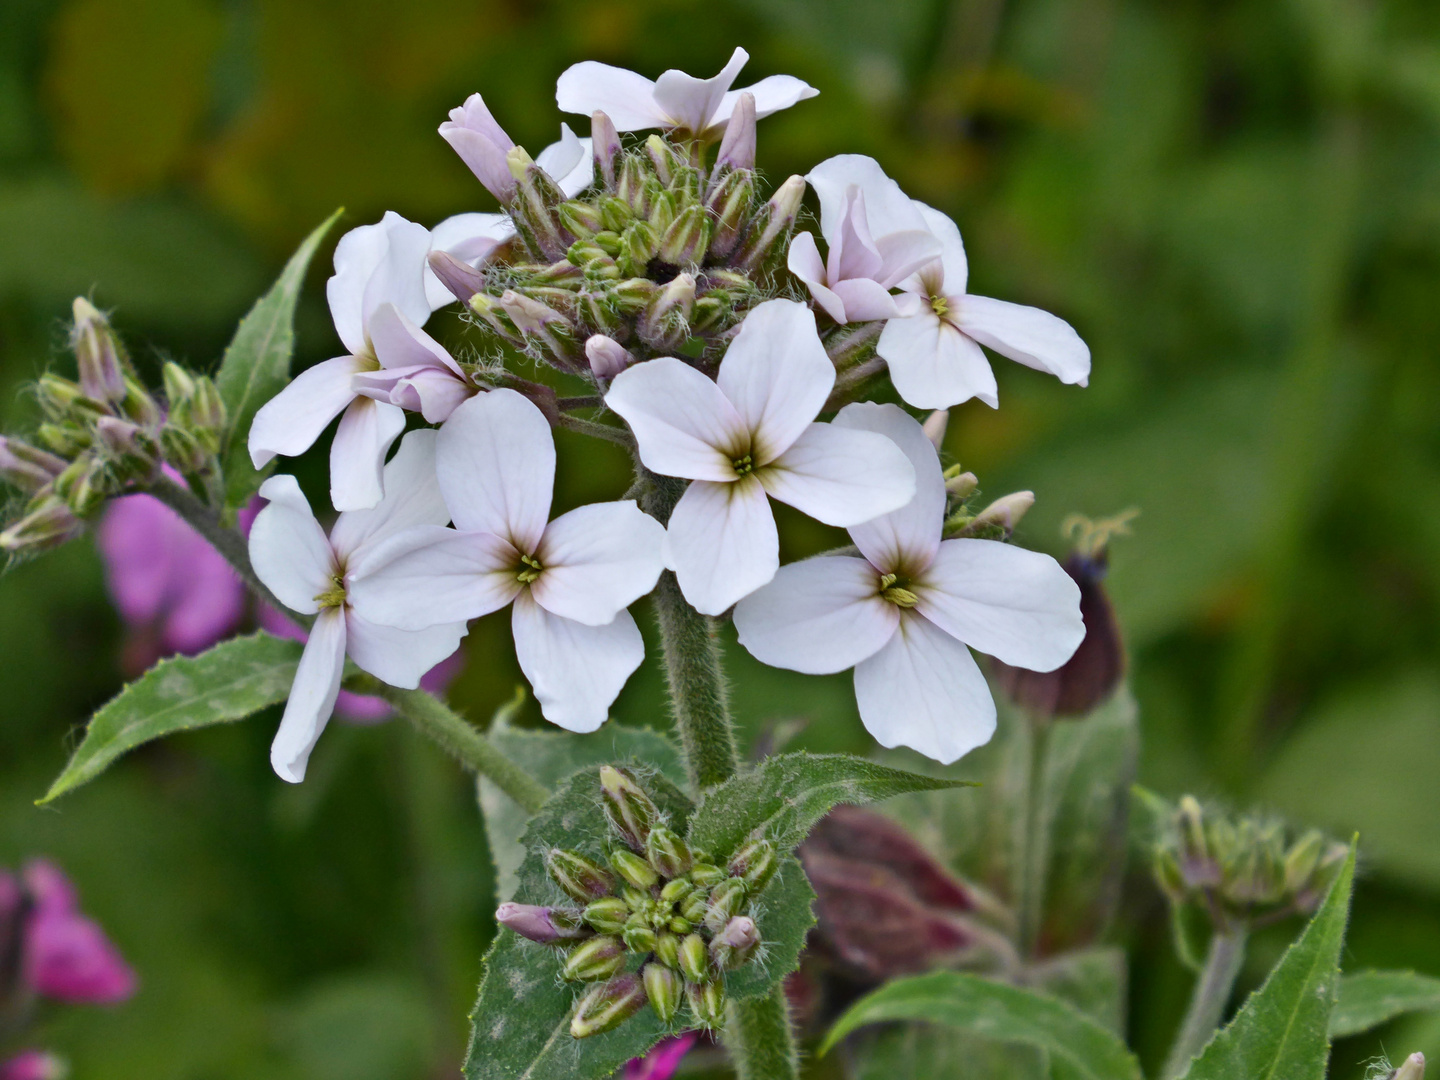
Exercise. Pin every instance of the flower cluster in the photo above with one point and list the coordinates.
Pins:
(661, 925)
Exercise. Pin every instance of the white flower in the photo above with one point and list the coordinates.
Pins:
(467, 237)
(903, 614)
(748, 433)
(311, 574)
(675, 101)
(377, 299)
(876, 235)
(571, 579)
(484, 146)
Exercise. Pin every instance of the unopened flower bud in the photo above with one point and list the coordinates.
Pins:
(666, 322)
(935, 426)
(1412, 1068)
(83, 485)
(1168, 875)
(707, 1003)
(769, 231)
(607, 1006)
(632, 868)
(694, 906)
(594, 960)
(179, 384)
(962, 485)
(28, 467)
(182, 450)
(731, 204)
(580, 218)
(639, 939)
(667, 852)
(207, 408)
(667, 948)
(630, 811)
(735, 944)
(129, 449)
(518, 161)
(1196, 862)
(98, 353)
(60, 399)
(635, 899)
(663, 158)
(462, 279)
(663, 206)
(534, 209)
(694, 958)
(726, 901)
(547, 925)
(630, 184)
(604, 147)
(607, 915)
(578, 876)
(678, 924)
(139, 405)
(687, 238)
(615, 213)
(67, 439)
(48, 523)
(665, 990)
(639, 243)
(1001, 516)
(755, 863)
(737, 148)
(676, 890)
(706, 875)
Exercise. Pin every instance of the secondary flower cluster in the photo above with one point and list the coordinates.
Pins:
(661, 906)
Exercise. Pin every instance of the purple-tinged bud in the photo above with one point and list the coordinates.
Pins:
(1004, 514)
(633, 295)
(735, 944)
(962, 485)
(129, 448)
(687, 238)
(667, 852)
(580, 218)
(28, 467)
(639, 939)
(732, 204)
(607, 356)
(98, 353)
(934, 426)
(48, 523)
(581, 879)
(707, 1003)
(636, 899)
(726, 901)
(594, 960)
(535, 212)
(34, 1065)
(737, 148)
(604, 146)
(607, 915)
(665, 990)
(666, 322)
(694, 958)
(182, 450)
(138, 405)
(565, 274)
(607, 1006)
(755, 863)
(631, 184)
(663, 158)
(769, 231)
(663, 208)
(83, 485)
(1412, 1068)
(462, 279)
(632, 868)
(667, 948)
(630, 811)
(547, 925)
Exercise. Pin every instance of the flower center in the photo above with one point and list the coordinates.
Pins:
(530, 569)
(940, 305)
(893, 588)
(335, 595)
(744, 466)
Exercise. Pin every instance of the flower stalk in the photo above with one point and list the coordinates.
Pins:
(1207, 1002)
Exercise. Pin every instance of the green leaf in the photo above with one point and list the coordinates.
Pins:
(998, 1011)
(1281, 1032)
(784, 796)
(1093, 980)
(783, 914)
(256, 366)
(1371, 998)
(924, 1050)
(233, 680)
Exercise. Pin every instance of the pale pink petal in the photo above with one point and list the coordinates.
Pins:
(803, 260)
(399, 277)
(1028, 335)
(777, 375)
(399, 657)
(904, 540)
(312, 697)
(427, 575)
(887, 208)
(690, 103)
(818, 616)
(400, 343)
(357, 255)
(772, 93)
(852, 252)
(598, 559)
(954, 266)
(357, 455)
(682, 421)
(291, 421)
(433, 392)
(482, 144)
(576, 671)
(412, 497)
(288, 549)
(468, 237)
(496, 461)
(1015, 605)
(723, 543)
(841, 476)
(933, 365)
(865, 300)
(569, 162)
(627, 97)
(925, 691)
(905, 252)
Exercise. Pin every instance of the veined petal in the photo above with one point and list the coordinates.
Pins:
(1015, 605)
(925, 691)
(723, 542)
(412, 497)
(357, 454)
(690, 103)
(887, 208)
(312, 697)
(803, 260)
(627, 97)
(288, 549)
(399, 343)
(772, 93)
(903, 253)
(933, 365)
(399, 657)
(777, 376)
(576, 671)
(291, 421)
(426, 576)
(496, 461)
(683, 423)
(399, 277)
(866, 300)
(468, 237)
(905, 539)
(569, 162)
(598, 559)
(1027, 335)
(840, 475)
(818, 616)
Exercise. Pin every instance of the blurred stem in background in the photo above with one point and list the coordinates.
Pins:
(1208, 1000)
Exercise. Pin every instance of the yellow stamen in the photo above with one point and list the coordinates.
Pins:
(744, 466)
(897, 594)
(530, 569)
(335, 595)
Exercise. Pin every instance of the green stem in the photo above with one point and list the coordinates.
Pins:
(1035, 855)
(760, 1038)
(1208, 1001)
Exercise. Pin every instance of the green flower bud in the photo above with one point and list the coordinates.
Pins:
(694, 958)
(694, 906)
(630, 184)
(663, 210)
(98, 354)
(638, 900)
(676, 890)
(664, 989)
(707, 1003)
(732, 204)
(633, 869)
(704, 873)
(534, 208)
(609, 242)
(678, 924)
(48, 523)
(629, 810)
(639, 939)
(663, 158)
(61, 400)
(711, 312)
(130, 451)
(182, 450)
(668, 854)
(735, 944)
(67, 439)
(138, 405)
(769, 233)
(726, 901)
(685, 186)
(580, 218)
(667, 948)
(566, 274)
(581, 879)
(594, 960)
(615, 214)
(639, 243)
(607, 915)
(666, 322)
(687, 238)
(1301, 860)
(83, 485)
(179, 384)
(755, 864)
(607, 1006)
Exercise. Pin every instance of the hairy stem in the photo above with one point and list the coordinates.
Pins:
(1208, 1001)
(1036, 855)
(597, 430)
(760, 1039)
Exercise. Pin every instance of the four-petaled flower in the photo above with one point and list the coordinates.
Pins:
(483, 145)
(903, 613)
(570, 580)
(748, 433)
(675, 101)
(313, 574)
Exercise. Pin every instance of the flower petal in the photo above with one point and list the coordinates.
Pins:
(818, 616)
(291, 421)
(853, 253)
(496, 461)
(954, 269)
(399, 657)
(399, 278)
(772, 93)
(412, 497)
(598, 559)
(569, 162)
(468, 237)
(904, 539)
(925, 691)
(841, 476)
(803, 260)
(398, 342)
(627, 97)
(1015, 605)
(288, 549)
(1027, 335)
(427, 575)
(777, 375)
(576, 671)
(933, 365)
(866, 300)
(723, 542)
(903, 253)
(682, 421)
(433, 392)
(357, 455)
(887, 208)
(482, 144)
(312, 696)
(690, 103)
(356, 255)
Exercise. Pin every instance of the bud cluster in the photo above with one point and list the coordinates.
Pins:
(660, 924)
(102, 434)
(1244, 869)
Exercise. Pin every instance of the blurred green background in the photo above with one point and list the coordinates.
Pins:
(1236, 203)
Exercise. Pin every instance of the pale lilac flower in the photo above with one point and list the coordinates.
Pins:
(312, 574)
(67, 956)
(675, 101)
(34, 1065)
(378, 302)
(748, 434)
(661, 1062)
(471, 238)
(484, 146)
(570, 580)
(876, 237)
(903, 614)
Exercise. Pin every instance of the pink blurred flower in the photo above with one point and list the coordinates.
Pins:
(66, 955)
(661, 1062)
(34, 1065)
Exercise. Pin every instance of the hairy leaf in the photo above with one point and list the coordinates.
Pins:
(256, 366)
(233, 680)
(1371, 998)
(1281, 1032)
(995, 1010)
(1093, 980)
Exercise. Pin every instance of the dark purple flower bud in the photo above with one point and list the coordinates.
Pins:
(607, 1006)
(629, 809)
(546, 925)
(866, 837)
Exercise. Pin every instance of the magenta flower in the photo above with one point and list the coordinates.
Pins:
(661, 1062)
(34, 1065)
(66, 955)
